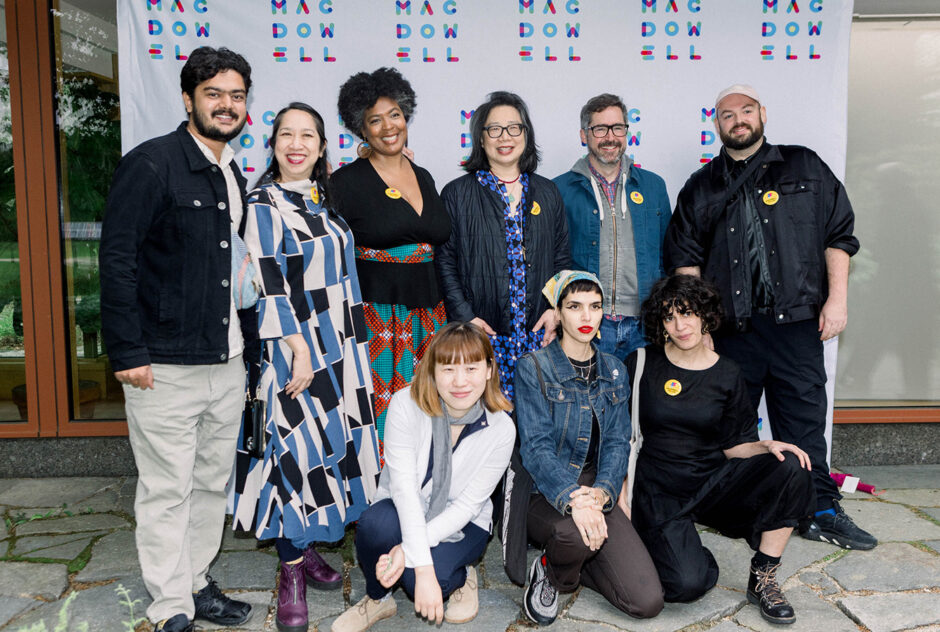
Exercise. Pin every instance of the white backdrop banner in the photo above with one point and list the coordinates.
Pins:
(666, 58)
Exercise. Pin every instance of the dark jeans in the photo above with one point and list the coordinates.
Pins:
(621, 570)
(754, 495)
(379, 530)
(786, 362)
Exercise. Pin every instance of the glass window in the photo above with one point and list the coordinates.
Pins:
(889, 355)
(12, 363)
(89, 149)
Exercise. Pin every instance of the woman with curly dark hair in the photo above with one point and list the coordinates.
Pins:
(701, 460)
(397, 218)
(509, 236)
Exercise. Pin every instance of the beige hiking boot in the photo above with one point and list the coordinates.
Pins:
(361, 616)
(464, 602)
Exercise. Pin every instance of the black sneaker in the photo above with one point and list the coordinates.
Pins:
(541, 598)
(838, 529)
(213, 605)
(762, 588)
(177, 623)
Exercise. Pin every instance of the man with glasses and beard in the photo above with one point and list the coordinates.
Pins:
(772, 228)
(617, 218)
(174, 338)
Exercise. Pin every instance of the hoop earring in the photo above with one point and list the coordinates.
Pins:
(363, 150)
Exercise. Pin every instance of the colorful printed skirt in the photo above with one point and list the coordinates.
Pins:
(398, 336)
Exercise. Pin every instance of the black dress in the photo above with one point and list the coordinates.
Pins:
(688, 418)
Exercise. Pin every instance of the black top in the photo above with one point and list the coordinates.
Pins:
(684, 435)
(378, 221)
(587, 370)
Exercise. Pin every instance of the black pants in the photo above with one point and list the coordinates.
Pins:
(621, 570)
(751, 496)
(786, 362)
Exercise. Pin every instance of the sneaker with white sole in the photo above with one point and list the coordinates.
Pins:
(361, 616)
(464, 603)
(541, 598)
(839, 529)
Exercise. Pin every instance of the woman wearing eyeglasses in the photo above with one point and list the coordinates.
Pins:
(508, 235)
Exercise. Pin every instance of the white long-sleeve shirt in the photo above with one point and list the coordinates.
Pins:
(476, 467)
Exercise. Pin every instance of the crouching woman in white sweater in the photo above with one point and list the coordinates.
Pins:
(448, 441)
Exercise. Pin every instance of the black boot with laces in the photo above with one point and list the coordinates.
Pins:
(762, 588)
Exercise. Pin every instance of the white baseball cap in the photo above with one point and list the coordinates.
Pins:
(738, 88)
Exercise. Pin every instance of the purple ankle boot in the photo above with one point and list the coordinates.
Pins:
(321, 575)
(292, 599)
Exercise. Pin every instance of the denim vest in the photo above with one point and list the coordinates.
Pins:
(554, 413)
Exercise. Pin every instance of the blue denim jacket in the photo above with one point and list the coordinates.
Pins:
(650, 220)
(555, 423)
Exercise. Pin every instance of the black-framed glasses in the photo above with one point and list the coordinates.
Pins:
(513, 129)
(600, 131)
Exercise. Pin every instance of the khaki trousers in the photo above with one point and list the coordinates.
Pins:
(183, 434)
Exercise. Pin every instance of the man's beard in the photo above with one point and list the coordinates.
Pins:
(742, 142)
(611, 161)
(206, 129)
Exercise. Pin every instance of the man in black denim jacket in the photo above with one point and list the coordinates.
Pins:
(777, 246)
(173, 335)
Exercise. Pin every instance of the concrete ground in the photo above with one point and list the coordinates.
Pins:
(68, 563)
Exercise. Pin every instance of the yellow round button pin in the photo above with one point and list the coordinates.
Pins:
(637, 197)
(771, 198)
(672, 387)
(393, 193)
(315, 193)
(536, 209)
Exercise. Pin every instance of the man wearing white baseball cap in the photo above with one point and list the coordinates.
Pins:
(772, 228)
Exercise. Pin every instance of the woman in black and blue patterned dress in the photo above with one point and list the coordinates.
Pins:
(320, 465)
(508, 236)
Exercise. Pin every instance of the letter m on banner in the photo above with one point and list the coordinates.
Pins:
(770, 5)
(526, 4)
(278, 4)
(402, 6)
(159, 4)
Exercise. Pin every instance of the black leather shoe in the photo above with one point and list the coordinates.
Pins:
(212, 605)
(177, 623)
(762, 588)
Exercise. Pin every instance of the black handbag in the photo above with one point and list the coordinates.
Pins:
(253, 421)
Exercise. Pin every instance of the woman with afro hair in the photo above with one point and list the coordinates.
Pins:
(397, 218)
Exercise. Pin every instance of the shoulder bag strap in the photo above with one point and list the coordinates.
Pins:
(636, 437)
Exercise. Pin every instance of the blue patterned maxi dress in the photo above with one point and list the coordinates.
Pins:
(321, 461)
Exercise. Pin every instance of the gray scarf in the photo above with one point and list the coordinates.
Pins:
(441, 452)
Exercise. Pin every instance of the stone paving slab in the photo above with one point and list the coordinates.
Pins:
(57, 547)
(114, 556)
(888, 567)
(728, 626)
(913, 497)
(812, 615)
(933, 513)
(100, 607)
(51, 492)
(238, 541)
(716, 604)
(12, 606)
(900, 611)
(72, 524)
(922, 476)
(734, 558)
(889, 522)
(30, 579)
(819, 582)
(244, 570)
(934, 544)
(109, 500)
(261, 602)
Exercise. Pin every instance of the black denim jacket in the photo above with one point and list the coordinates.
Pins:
(165, 259)
(803, 209)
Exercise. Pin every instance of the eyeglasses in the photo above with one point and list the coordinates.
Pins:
(600, 131)
(513, 129)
